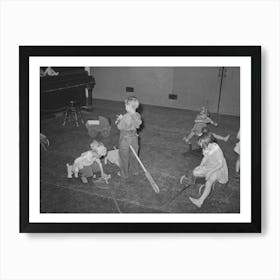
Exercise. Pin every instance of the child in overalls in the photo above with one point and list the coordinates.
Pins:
(128, 125)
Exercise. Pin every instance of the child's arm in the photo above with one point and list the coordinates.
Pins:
(124, 122)
(205, 120)
(211, 121)
(119, 117)
(101, 167)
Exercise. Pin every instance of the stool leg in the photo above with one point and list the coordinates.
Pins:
(80, 116)
(65, 117)
(76, 118)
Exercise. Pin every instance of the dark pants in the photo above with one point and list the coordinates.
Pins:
(128, 162)
(89, 171)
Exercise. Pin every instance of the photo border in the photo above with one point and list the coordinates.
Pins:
(25, 52)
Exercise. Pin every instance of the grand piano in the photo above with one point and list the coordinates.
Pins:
(71, 83)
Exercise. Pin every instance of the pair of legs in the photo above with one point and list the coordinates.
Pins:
(198, 172)
(128, 161)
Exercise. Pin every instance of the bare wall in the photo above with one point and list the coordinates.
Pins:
(194, 86)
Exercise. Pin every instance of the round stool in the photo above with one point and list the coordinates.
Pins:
(73, 114)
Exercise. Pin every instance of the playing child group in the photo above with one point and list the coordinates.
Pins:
(213, 166)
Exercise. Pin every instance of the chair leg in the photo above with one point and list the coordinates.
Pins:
(65, 117)
(80, 116)
(76, 118)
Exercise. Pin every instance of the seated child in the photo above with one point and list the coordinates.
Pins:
(128, 125)
(213, 167)
(216, 136)
(201, 121)
(237, 150)
(88, 163)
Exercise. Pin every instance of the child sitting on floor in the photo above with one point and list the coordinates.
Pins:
(128, 125)
(88, 163)
(213, 167)
(201, 121)
(237, 150)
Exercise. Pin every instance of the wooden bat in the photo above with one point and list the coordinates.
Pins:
(147, 174)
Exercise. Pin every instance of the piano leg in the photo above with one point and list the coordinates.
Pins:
(88, 95)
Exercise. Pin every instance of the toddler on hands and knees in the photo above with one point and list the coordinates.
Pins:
(89, 163)
(213, 167)
(128, 125)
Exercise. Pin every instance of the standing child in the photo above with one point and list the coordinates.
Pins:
(213, 167)
(237, 150)
(128, 125)
(201, 121)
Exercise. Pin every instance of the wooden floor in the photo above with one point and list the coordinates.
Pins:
(162, 151)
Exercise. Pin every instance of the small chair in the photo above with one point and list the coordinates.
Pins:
(73, 114)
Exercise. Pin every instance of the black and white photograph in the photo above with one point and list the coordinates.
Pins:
(139, 139)
(146, 132)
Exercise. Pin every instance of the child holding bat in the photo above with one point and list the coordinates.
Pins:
(128, 125)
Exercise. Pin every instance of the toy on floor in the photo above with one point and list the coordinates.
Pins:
(147, 174)
(44, 142)
(201, 121)
(102, 126)
(213, 167)
(89, 163)
(187, 180)
(113, 157)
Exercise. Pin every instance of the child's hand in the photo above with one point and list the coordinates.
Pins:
(215, 124)
(106, 177)
(119, 117)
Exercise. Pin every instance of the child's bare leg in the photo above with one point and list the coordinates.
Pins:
(208, 186)
(223, 138)
(190, 136)
(69, 170)
(237, 165)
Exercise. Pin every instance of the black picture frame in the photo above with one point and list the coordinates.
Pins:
(254, 52)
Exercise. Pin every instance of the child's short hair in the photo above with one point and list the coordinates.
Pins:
(205, 139)
(205, 111)
(98, 147)
(132, 101)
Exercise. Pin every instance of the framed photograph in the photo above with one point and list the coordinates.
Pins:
(140, 139)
